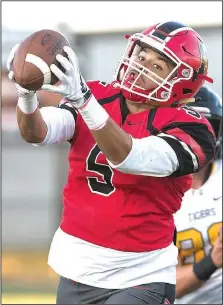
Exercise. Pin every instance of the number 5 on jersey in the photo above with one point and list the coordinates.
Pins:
(105, 187)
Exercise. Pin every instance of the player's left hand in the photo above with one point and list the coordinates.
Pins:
(22, 92)
(73, 86)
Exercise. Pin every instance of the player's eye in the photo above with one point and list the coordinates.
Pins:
(141, 58)
(142, 54)
(157, 67)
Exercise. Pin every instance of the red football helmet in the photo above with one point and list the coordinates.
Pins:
(182, 46)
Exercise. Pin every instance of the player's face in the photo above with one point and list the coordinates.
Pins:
(152, 60)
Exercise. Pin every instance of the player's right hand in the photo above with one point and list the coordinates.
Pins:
(216, 253)
(72, 86)
(21, 91)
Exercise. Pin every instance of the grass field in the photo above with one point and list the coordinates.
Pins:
(27, 279)
(28, 298)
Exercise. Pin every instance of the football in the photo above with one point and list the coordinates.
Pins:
(31, 63)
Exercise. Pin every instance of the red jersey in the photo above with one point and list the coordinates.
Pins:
(123, 211)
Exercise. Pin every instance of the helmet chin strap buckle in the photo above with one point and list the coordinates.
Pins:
(175, 104)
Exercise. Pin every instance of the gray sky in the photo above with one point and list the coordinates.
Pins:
(105, 16)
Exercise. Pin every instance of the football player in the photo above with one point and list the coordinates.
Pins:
(134, 145)
(199, 221)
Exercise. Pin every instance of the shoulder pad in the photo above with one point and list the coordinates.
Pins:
(102, 89)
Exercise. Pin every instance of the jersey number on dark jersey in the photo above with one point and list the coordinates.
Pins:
(103, 187)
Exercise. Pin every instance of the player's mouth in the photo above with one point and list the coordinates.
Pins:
(132, 76)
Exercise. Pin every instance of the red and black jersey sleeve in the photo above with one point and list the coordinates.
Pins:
(192, 138)
(103, 92)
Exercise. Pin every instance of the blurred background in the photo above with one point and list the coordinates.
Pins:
(33, 177)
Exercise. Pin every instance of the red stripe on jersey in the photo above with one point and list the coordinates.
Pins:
(187, 139)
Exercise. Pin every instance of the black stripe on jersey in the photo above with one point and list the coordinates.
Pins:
(175, 236)
(151, 117)
(200, 133)
(69, 108)
(109, 99)
(186, 164)
(123, 108)
(167, 28)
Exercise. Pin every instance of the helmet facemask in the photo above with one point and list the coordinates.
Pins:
(163, 87)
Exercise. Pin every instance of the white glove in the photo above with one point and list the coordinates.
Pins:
(22, 92)
(73, 86)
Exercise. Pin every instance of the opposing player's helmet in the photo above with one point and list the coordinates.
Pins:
(183, 47)
(210, 105)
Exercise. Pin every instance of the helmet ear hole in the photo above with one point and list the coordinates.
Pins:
(187, 91)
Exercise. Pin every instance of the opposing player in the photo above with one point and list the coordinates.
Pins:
(134, 145)
(199, 222)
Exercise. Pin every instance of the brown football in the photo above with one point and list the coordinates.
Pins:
(31, 63)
